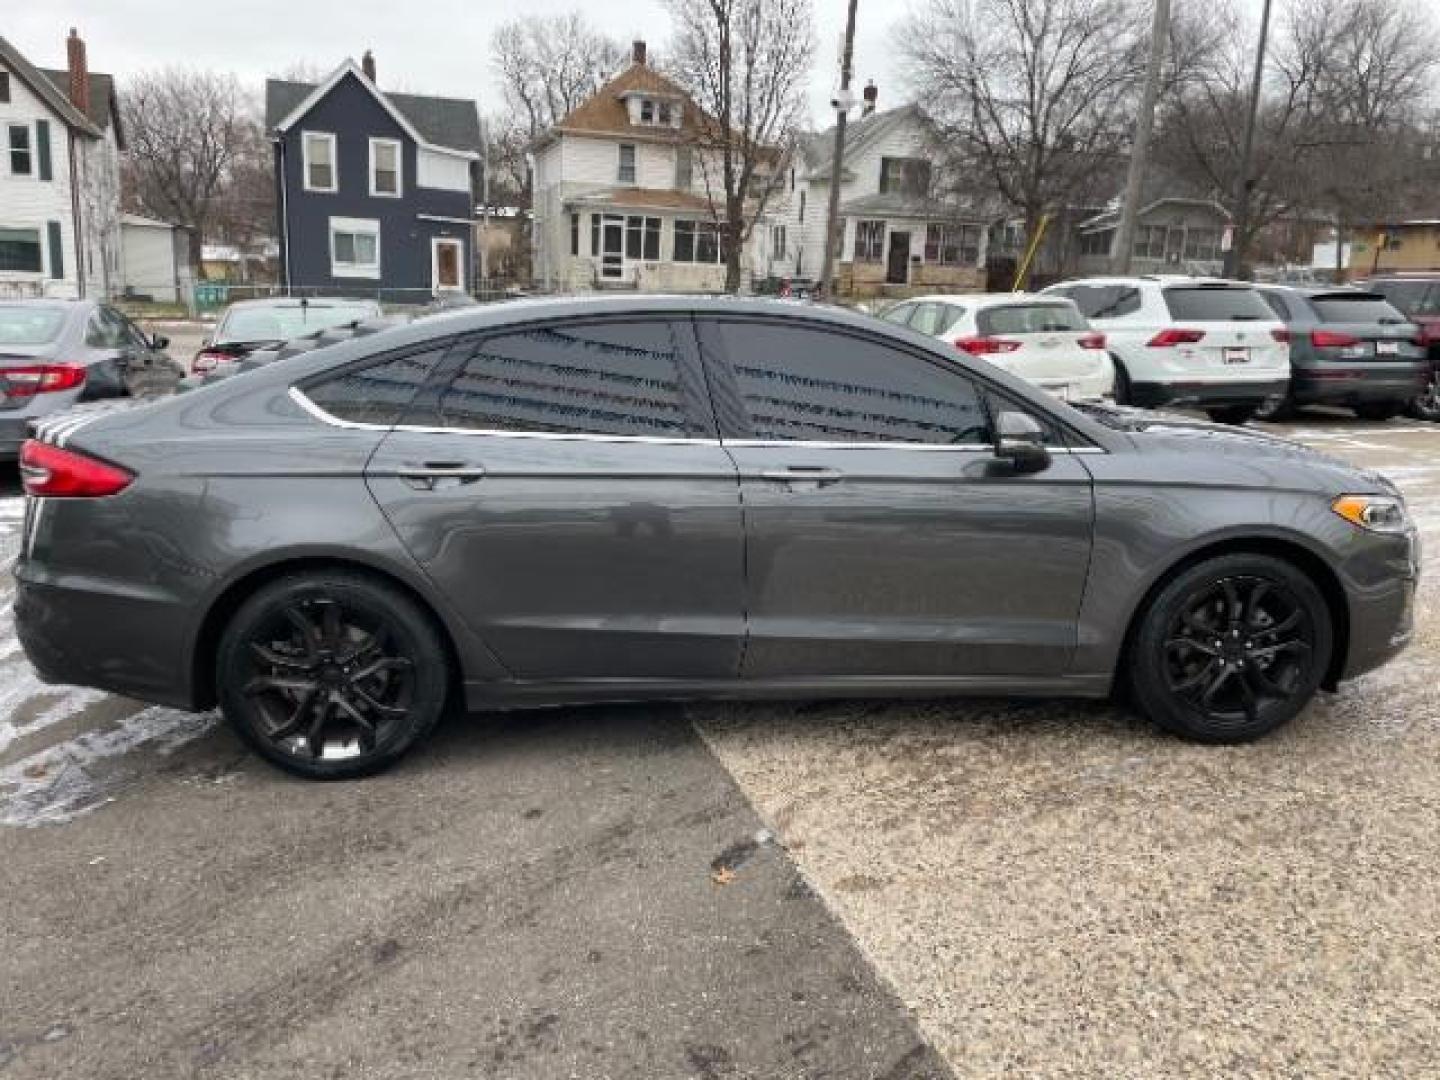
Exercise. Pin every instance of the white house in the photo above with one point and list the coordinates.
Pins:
(624, 198)
(60, 143)
(895, 237)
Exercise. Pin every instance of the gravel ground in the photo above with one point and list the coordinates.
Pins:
(1057, 891)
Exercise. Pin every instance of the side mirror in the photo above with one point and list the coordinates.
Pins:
(159, 341)
(1020, 440)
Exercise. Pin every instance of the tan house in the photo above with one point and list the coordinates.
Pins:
(1403, 245)
(626, 198)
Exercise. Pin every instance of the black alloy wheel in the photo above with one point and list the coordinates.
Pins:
(1426, 406)
(1232, 649)
(332, 675)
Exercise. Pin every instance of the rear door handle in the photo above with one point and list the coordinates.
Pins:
(804, 474)
(427, 475)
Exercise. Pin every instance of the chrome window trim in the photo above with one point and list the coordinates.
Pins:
(298, 396)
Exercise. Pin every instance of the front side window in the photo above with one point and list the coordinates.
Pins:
(899, 314)
(105, 330)
(354, 247)
(617, 379)
(869, 240)
(935, 318)
(385, 167)
(20, 250)
(818, 385)
(320, 173)
(22, 161)
(1103, 301)
(627, 163)
(375, 394)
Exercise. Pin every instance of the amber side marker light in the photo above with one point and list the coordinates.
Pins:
(1375, 513)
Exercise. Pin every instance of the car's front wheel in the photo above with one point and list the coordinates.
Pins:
(1231, 649)
(331, 674)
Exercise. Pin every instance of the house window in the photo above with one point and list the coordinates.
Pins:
(4, 88)
(594, 234)
(385, 167)
(684, 168)
(1150, 242)
(1097, 243)
(698, 242)
(354, 247)
(663, 112)
(802, 208)
(904, 176)
(642, 238)
(952, 245)
(647, 111)
(574, 234)
(1202, 244)
(627, 163)
(320, 161)
(869, 240)
(22, 161)
(778, 248)
(20, 251)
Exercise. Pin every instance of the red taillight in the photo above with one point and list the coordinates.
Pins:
(985, 346)
(205, 361)
(1332, 339)
(35, 379)
(1093, 340)
(1282, 336)
(1166, 339)
(64, 474)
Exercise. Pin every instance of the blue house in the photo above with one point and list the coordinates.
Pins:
(375, 191)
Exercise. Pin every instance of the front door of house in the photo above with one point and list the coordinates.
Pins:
(445, 269)
(612, 247)
(897, 266)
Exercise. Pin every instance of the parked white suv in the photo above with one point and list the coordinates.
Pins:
(1200, 342)
(1042, 339)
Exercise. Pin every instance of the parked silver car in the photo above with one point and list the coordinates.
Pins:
(640, 498)
(54, 353)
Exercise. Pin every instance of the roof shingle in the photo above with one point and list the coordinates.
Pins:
(449, 122)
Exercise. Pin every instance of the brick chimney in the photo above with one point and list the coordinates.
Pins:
(367, 65)
(872, 94)
(79, 72)
(637, 52)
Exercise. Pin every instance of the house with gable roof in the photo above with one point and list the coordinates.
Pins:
(375, 190)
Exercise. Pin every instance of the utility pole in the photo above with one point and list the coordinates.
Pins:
(843, 102)
(1122, 246)
(1235, 258)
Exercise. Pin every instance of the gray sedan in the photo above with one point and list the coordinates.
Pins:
(54, 353)
(642, 498)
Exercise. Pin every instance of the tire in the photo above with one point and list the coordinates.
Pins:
(1122, 392)
(1231, 414)
(1427, 405)
(1275, 410)
(1255, 681)
(332, 674)
(1378, 410)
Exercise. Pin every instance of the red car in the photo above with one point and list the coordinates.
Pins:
(1418, 296)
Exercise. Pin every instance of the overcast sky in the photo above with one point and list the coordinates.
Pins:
(427, 46)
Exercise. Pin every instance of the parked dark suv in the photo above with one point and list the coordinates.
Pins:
(1418, 296)
(1350, 348)
(643, 498)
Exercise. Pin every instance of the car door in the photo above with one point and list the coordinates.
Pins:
(151, 371)
(110, 354)
(883, 537)
(563, 485)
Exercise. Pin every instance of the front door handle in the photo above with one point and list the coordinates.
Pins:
(428, 475)
(819, 475)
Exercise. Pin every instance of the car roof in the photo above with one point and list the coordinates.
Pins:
(302, 301)
(44, 301)
(987, 299)
(1154, 279)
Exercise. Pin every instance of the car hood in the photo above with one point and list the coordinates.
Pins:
(1240, 455)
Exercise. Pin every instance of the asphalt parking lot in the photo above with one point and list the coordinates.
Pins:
(845, 890)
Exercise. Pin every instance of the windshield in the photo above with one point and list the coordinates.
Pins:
(1216, 303)
(1357, 309)
(283, 323)
(1029, 319)
(27, 324)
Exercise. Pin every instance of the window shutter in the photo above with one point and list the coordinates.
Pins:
(57, 250)
(42, 148)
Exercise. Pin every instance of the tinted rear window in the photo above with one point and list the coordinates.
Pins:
(1103, 301)
(375, 394)
(24, 324)
(1356, 309)
(1208, 304)
(1412, 297)
(1028, 319)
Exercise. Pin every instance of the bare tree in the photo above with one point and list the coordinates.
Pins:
(184, 129)
(1033, 99)
(746, 65)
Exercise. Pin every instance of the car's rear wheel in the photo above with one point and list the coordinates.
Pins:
(1231, 649)
(1427, 405)
(1231, 414)
(1378, 410)
(331, 674)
